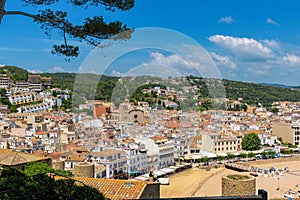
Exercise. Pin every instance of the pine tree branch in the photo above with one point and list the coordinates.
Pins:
(92, 31)
(36, 17)
(55, 23)
(2, 4)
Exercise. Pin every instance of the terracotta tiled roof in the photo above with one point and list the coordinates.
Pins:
(41, 132)
(172, 125)
(116, 189)
(194, 143)
(55, 155)
(128, 140)
(10, 158)
(99, 168)
(106, 153)
(76, 159)
(38, 152)
(256, 131)
(158, 137)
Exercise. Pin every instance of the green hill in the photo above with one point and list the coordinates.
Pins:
(251, 93)
(15, 73)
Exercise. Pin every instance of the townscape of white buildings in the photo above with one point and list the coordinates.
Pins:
(133, 139)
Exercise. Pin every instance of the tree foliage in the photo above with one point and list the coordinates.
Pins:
(15, 184)
(92, 30)
(204, 159)
(250, 93)
(251, 155)
(220, 158)
(243, 155)
(230, 156)
(5, 101)
(251, 142)
(33, 168)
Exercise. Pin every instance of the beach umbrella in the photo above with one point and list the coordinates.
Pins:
(259, 169)
(272, 169)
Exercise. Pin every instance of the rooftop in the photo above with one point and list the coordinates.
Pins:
(116, 189)
(11, 158)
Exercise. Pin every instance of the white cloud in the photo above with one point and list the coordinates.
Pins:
(291, 60)
(244, 48)
(223, 61)
(12, 49)
(116, 73)
(34, 71)
(2, 65)
(273, 44)
(57, 69)
(261, 69)
(154, 69)
(226, 20)
(271, 21)
(171, 60)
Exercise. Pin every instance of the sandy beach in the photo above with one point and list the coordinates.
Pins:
(188, 182)
(199, 182)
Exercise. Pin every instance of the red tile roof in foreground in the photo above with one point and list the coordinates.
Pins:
(10, 158)
(116, 189)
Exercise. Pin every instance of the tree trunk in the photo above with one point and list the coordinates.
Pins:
(2, 12)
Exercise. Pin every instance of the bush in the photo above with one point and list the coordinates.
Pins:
(238, 177)
(289, 151)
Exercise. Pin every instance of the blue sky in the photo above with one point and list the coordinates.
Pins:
(253, 41)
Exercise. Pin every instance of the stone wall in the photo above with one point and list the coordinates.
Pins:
(84, 170)
(58, 164)
(277, 160)
(241, 187)
(152, 191)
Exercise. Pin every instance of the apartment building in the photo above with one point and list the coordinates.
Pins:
(160, 151)
(116, 165)
(180, 146)
(21, 87)
(35, 108)
(5, 81)
(288, 132)
(227, 144)
(24, 98)
(136, 155)
(214, 143)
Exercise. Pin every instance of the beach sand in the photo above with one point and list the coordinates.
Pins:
(187, 183)
(199, 182)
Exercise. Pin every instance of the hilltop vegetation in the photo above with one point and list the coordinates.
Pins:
(107, 86)
(251, 93)
(15, 73)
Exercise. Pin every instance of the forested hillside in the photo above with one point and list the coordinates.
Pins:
(251, 93)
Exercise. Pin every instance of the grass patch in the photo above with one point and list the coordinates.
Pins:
(238, 177)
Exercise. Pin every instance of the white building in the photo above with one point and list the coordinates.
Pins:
(136, 156)
(116, 165)
(160, 151)
(23, 98)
